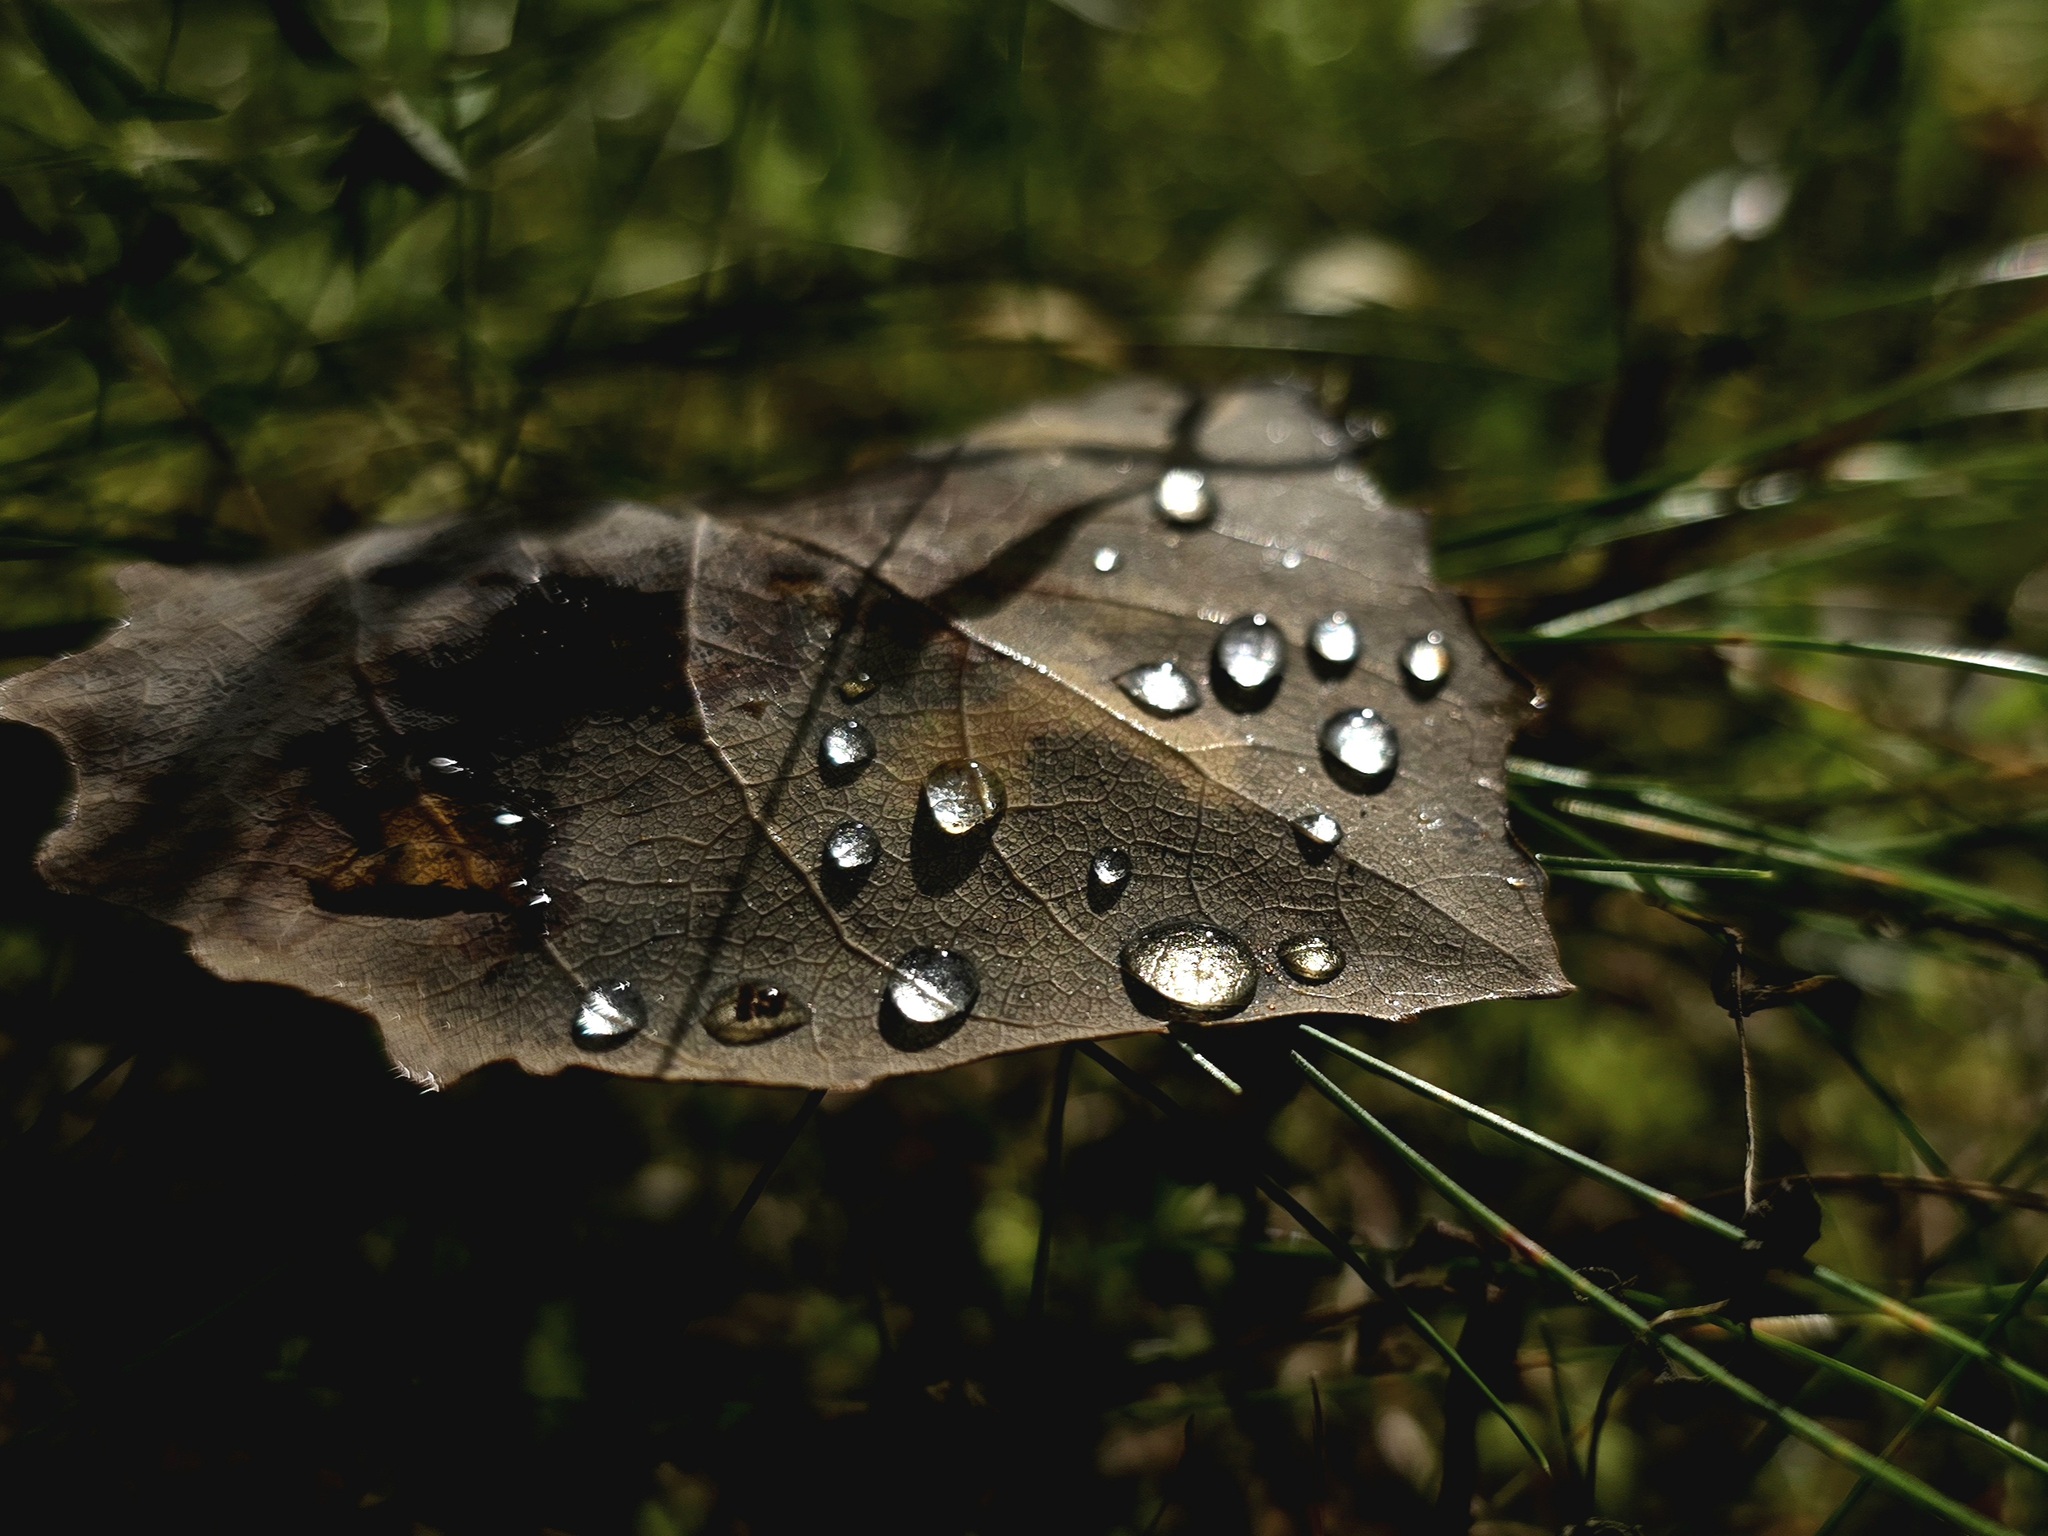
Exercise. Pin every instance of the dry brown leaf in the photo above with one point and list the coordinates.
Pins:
(507, 790)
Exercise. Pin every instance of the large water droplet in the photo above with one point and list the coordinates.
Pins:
(754, 1011)
(856, 687)
(1160, 687)
(852, 847)
(1360, 749)
(1109, 869)
(1311, 957)
(1189, 969)
(847, 746)
(1107, 559)
(1333, 640)
(1426, 663)
(963, 797)
(1183, 497)
(1318, 830)
(1250, 656)
(928, 995)
(611, 1014)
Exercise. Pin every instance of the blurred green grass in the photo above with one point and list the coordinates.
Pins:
(1733, 304)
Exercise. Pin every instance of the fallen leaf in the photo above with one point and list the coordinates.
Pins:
(566, 795)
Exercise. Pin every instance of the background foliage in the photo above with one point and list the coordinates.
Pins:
(1744, 298)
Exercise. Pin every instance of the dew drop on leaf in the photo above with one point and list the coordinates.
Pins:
(508, 819)
(856, 687)
(611, 1014)
(1110, 869)
(1318, 829)
(852, 846)
(1426, 663)
(963, 797)
(1333, 640)
(1107, 559)
(1189, 969)
(1360, 749)
(929, 994)
(755, 1011)
(1160, 687)
(1183, 497)
(1250, 656)
(846, 746)
(1311, 957)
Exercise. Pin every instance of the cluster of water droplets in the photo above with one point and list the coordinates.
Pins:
(1185, 969)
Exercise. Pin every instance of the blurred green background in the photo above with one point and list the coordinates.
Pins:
(1731, 303)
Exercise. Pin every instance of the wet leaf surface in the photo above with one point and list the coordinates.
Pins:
(577, 794)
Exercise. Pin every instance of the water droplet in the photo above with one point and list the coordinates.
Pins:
(852, 846)
(509, 819)
(1107, 559)
(1160, 687)
(848, 745)
(447, 768)
(1333, 640)
(1311, 957)
(1318, 829)
(1360, 749)
(1427, 662)
(1183, 497)
(856, 687)
(755, 1011)
(611, 1014)
(963, 797)
(1109, 869)
(928, 995)
(1250, 656)
(1290, 560)
(1189, 969)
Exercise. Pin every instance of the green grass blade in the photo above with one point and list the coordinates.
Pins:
(1566, 864)
(1822, 1361)
(1806, 855)
(1932, 1403)
(1995, 663)
(1279, 1194)
(1814, 1024)
(1814, 1433)
(1720, 578)
(1897, 1311)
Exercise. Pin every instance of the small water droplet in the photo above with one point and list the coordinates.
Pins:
(852, 846)
(1160, 687)
(1360, 749)
(509, 819)
(1333, 640)
(754, 1011)
(929, 994)
(611, 1014)
(846, 746)
(1109, 869)
(1189, 969)
(1318, 829)
(1311, 957)
(963, 797)
(1250, 656)
(1183, 497)
(1290, 560)
(1107, 559)
(447, 768)
(856, 687)
(1427, 662)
